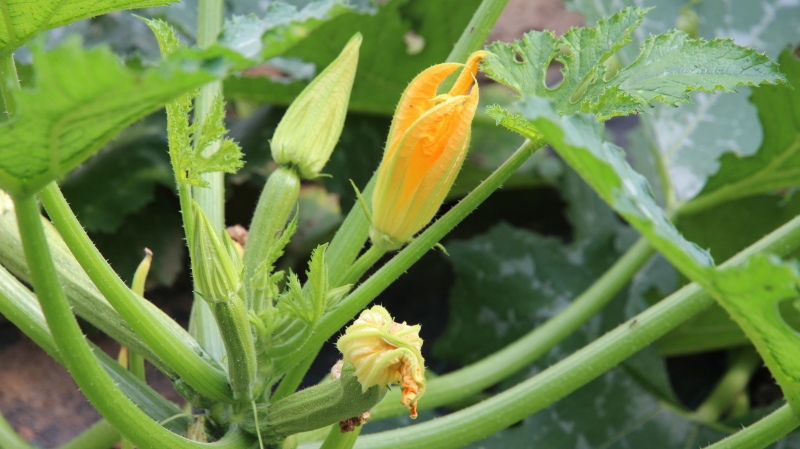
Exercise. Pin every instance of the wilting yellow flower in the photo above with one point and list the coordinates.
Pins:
(384, 352)
(426, 146)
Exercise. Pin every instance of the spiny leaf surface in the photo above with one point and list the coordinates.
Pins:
(83, 98)
(22, 20)
(669, 66)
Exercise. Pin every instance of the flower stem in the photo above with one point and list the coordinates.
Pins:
(164, 337)
(90, 376)
(388, 273)
(566, 376)
(361, 265)
(100, 436)
(475, 378)
(762, 433)
(744, 364)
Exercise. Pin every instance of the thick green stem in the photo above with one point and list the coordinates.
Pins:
(84, 297)
(169, 342)
(337, 439)
(100, 436)
(212, 198)
(90, 376)
(475, 378)
(730, 387)
(762, 433)
(502, 410)
(9, 83)
(401, 262)
(362, 264)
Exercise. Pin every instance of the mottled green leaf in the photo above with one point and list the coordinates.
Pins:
(281, 27)
(777, 163)
(668, 68)
(22, 20)
(510, 280)
(83, 98)
(752, 295)
(578, 139)
(385, 64)
(726, 229)
(690, 139)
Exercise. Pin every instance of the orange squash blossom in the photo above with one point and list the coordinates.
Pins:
(427, 142)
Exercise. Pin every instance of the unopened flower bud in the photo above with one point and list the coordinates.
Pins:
(384, 352)
(427, 143)
(309, 130)
(215, 272)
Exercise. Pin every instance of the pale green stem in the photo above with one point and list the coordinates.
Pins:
(475, 378)
(166, 339)
(9, 439)
(337, 439)
(763, 432)
(402, 261)
(362, 264)
(528, 397)
(100, 436)
(730, 387)
(76, 354)
(212, 198)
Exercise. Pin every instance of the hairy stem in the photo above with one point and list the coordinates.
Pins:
(763, 432)
(166, 339)
(561, 379)
(475, 378)
(90, 376)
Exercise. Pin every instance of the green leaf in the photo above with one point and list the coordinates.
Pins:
(668, 68)
(385, 64)
(282, 27)
(129, 169)
(83, 98)
(689, 140)
(752, 295)
(578, 139)
(22, 20)
(509, 280)
(777, 164)
(726, 229)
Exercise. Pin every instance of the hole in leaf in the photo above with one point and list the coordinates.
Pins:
(581, 90)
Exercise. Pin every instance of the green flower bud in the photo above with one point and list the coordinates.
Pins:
(309, 130)
(216, 274)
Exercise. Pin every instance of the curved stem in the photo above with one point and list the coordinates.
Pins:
(166, 338)
(475, 378)
(100, 436)
(389, 272)
(502, 410)
(9, 439)
(762, 433)
(744, 364)
(90, 376)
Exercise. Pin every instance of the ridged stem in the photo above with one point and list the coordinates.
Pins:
(90, 376)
